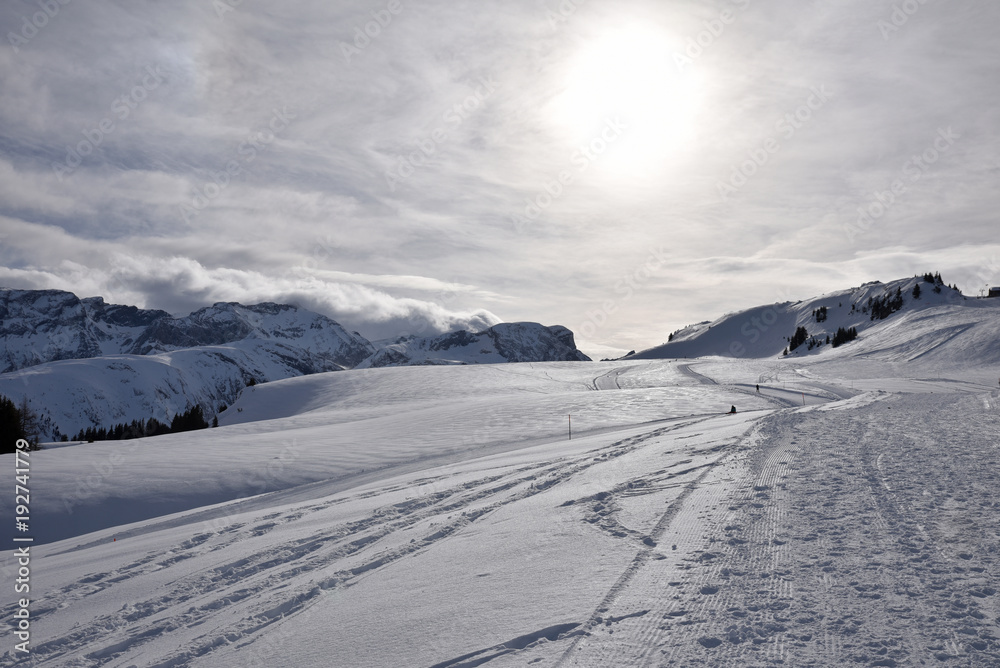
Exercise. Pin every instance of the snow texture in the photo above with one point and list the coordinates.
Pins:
(439, 516)
(83, 363)
(505, 342)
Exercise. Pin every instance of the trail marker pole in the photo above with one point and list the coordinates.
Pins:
(570, 427)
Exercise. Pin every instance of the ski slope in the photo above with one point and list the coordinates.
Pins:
(440, 516)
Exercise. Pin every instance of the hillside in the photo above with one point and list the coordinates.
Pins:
(83, 363)
(70, 395)
(879, 312)
(505, 342)
(440, 516)
(39, 326)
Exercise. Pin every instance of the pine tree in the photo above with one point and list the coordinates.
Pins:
(29, 422)
(189, 420)
(798, 338)
(10, 426)
(844, 335)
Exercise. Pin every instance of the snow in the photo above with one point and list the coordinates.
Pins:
(70, 395)
(83, 364)
(503, 342)
(763, 331)
(439, 516)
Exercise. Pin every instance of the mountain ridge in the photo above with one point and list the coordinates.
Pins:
(41, 326)
(872, 309)
(85, 363)
(502, 343)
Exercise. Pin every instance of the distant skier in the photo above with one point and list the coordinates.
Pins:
(758, 389)
(732, 410)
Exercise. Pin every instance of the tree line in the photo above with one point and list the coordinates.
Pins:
(189, 420)
(17, 421)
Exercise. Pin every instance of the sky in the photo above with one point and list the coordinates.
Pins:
(620, 168)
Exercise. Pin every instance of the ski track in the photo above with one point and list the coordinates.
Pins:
(819, 537)
(687, 371)
(841, 540)
(601, 510)
(609, 380)
(340, 555)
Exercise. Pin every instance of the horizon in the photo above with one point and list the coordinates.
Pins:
(594, 357)
(621, 171)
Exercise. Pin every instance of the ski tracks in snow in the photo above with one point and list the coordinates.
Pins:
(690, 373)
(609, 380)
(225, 601)
(864, 536)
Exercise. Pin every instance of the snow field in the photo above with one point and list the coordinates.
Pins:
(333, 430)
(209, 588)
(859, 529)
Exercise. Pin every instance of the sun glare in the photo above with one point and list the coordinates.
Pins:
(628, 81)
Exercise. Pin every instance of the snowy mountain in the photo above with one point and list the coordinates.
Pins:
(504, 342)
(83, 363)
(876, 311)
(70, 395)
(39, 326)
(440, 515)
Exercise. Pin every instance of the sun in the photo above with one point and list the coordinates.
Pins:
(628, 79)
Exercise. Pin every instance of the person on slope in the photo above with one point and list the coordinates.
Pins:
(732, 410)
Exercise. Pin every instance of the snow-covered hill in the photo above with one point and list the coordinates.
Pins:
(505, 342)
(440, 516)
(880, 313)
(70, 395)
(39, 326)
(83, 363)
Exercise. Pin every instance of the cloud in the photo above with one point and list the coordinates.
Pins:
(181, 285)
(250, 155)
